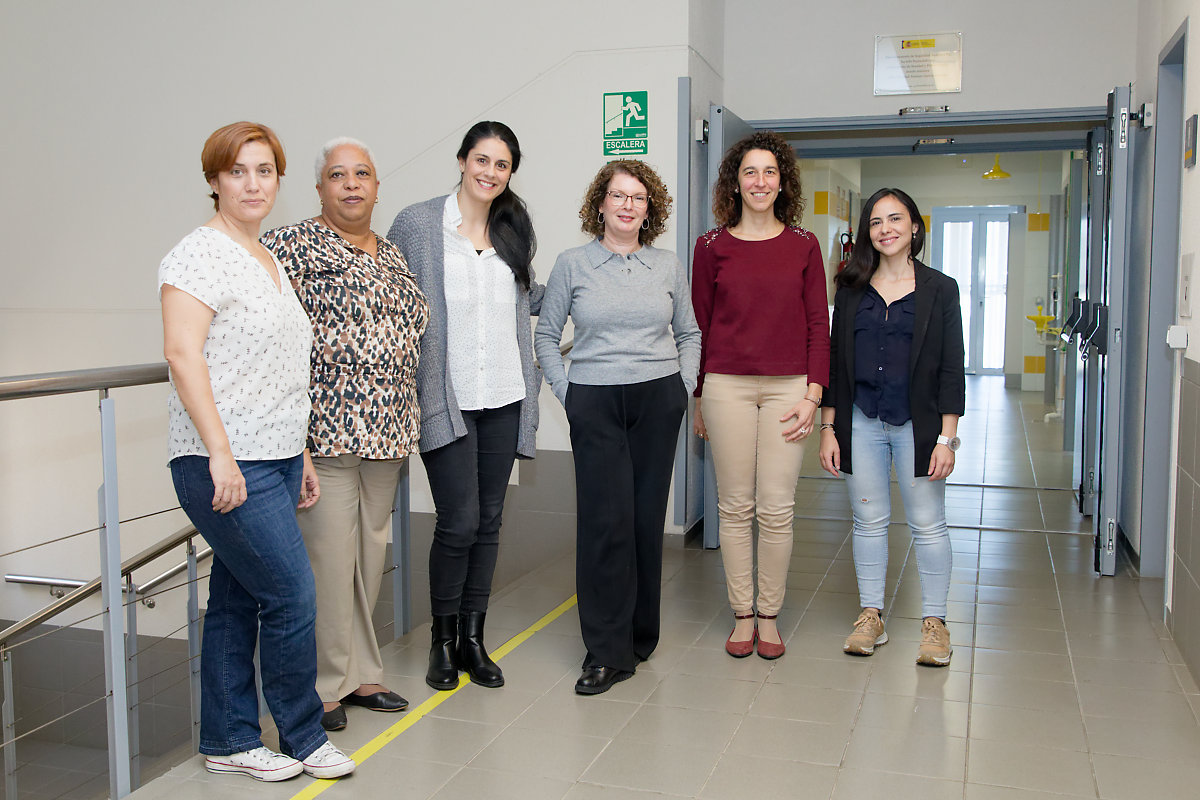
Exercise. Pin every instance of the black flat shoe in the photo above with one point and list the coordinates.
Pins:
(597, 679)
(380, 701)
(334, 720)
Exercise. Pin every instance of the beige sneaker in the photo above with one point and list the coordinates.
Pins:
(868, 632)
(935, 643)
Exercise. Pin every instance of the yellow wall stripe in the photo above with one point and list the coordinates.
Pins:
(1035, 365)
(412, 717)
(821, 202)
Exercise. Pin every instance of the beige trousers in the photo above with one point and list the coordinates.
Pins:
(346, 535)
(755, 468)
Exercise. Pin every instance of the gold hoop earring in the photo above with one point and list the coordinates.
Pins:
(600, 217)
(646, 224)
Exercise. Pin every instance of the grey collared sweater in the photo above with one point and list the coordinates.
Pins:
(632, 314)
(417, 231)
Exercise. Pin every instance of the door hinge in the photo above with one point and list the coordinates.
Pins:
(1110, 536)
(1099, 158)
(1123, 129)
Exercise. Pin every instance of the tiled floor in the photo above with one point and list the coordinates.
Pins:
(1061, 684)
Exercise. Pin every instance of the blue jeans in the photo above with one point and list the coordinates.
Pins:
(260, 591)
(876, 446)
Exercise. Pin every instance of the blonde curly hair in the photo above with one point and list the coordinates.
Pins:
(658, 211)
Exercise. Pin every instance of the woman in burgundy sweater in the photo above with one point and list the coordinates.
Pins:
(759, 292)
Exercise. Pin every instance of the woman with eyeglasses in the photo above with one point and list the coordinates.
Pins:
(633, 363)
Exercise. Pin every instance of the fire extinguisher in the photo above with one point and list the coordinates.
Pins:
(847, 248)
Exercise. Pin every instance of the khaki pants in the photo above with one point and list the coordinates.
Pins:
(346, 534)
(755, 468)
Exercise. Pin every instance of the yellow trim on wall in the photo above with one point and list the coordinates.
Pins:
(1039, 222)
(927, 222)
(1035, 365)
(821, 202)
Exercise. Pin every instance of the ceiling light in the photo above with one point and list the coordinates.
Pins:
(996, 173)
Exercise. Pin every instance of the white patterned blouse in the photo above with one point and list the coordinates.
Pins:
(257, 349)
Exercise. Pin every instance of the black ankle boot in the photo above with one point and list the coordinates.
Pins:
(472, 656)
(443, 669)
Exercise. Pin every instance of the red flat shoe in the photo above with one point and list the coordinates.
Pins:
(741, 649)
(769, 650)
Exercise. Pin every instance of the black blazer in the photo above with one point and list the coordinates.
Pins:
(936, 377)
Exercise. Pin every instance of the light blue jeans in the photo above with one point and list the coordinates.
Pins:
(875, 447)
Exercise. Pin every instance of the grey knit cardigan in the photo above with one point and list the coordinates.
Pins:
(417, 231)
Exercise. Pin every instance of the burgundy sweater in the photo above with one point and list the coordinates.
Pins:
(762, 307)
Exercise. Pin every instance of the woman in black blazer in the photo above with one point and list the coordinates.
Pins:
(896, 392)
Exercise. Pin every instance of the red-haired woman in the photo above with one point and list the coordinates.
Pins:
(237, 343)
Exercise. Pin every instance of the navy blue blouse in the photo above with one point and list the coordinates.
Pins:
(882, 345)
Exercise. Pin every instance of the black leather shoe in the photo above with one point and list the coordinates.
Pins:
(380, 701)
(597, 680)
(471, 654)
(334, 720)
(443, 671)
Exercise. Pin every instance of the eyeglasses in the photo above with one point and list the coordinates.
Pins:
(619, 198)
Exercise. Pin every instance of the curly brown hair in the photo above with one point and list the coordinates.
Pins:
(657, 213)
(727, 202)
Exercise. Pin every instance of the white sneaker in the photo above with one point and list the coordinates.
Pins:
(328, 762)
(260, 763)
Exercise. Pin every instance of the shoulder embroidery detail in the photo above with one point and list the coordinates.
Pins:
(803, 234)
(708, 238)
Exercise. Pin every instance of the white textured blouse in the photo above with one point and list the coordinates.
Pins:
(257, 349)
(481, 326)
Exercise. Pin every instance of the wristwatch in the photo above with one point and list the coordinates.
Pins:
(952, 443)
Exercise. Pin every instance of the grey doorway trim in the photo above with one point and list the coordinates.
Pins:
(1086, 117)
(936, 133)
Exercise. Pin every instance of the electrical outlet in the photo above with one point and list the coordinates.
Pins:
(1185, 285)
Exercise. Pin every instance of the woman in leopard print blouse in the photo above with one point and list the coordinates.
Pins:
(367, 316)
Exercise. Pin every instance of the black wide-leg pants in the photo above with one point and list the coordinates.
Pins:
(623, 438)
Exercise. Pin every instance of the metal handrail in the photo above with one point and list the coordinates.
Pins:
(45, 384)
(157, 580)
(93, 586)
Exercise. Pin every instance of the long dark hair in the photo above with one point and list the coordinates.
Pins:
(508, 224)
(864, 260)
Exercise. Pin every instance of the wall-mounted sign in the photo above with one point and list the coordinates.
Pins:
(921, 64)
(626, 124)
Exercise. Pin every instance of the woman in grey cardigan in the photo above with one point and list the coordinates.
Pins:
(477, 383)
(635, 359)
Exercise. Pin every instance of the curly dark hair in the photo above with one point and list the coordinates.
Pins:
(727, 202)
(657, 213)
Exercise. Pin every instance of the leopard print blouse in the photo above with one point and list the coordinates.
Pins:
(367, 316)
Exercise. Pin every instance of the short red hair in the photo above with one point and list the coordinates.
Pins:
(221, 149)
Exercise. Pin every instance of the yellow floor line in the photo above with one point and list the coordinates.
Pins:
(375, 745)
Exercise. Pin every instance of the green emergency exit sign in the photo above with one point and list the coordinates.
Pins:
(626, 124)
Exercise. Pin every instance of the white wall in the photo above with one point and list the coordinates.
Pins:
(816, 59)
(106, 109)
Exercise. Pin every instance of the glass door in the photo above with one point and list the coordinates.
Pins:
(970, 244)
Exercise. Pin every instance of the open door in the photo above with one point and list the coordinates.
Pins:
(1100, 331)
(724, 130)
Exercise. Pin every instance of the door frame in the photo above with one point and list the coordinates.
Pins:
(991, 131)
(1164, 367)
